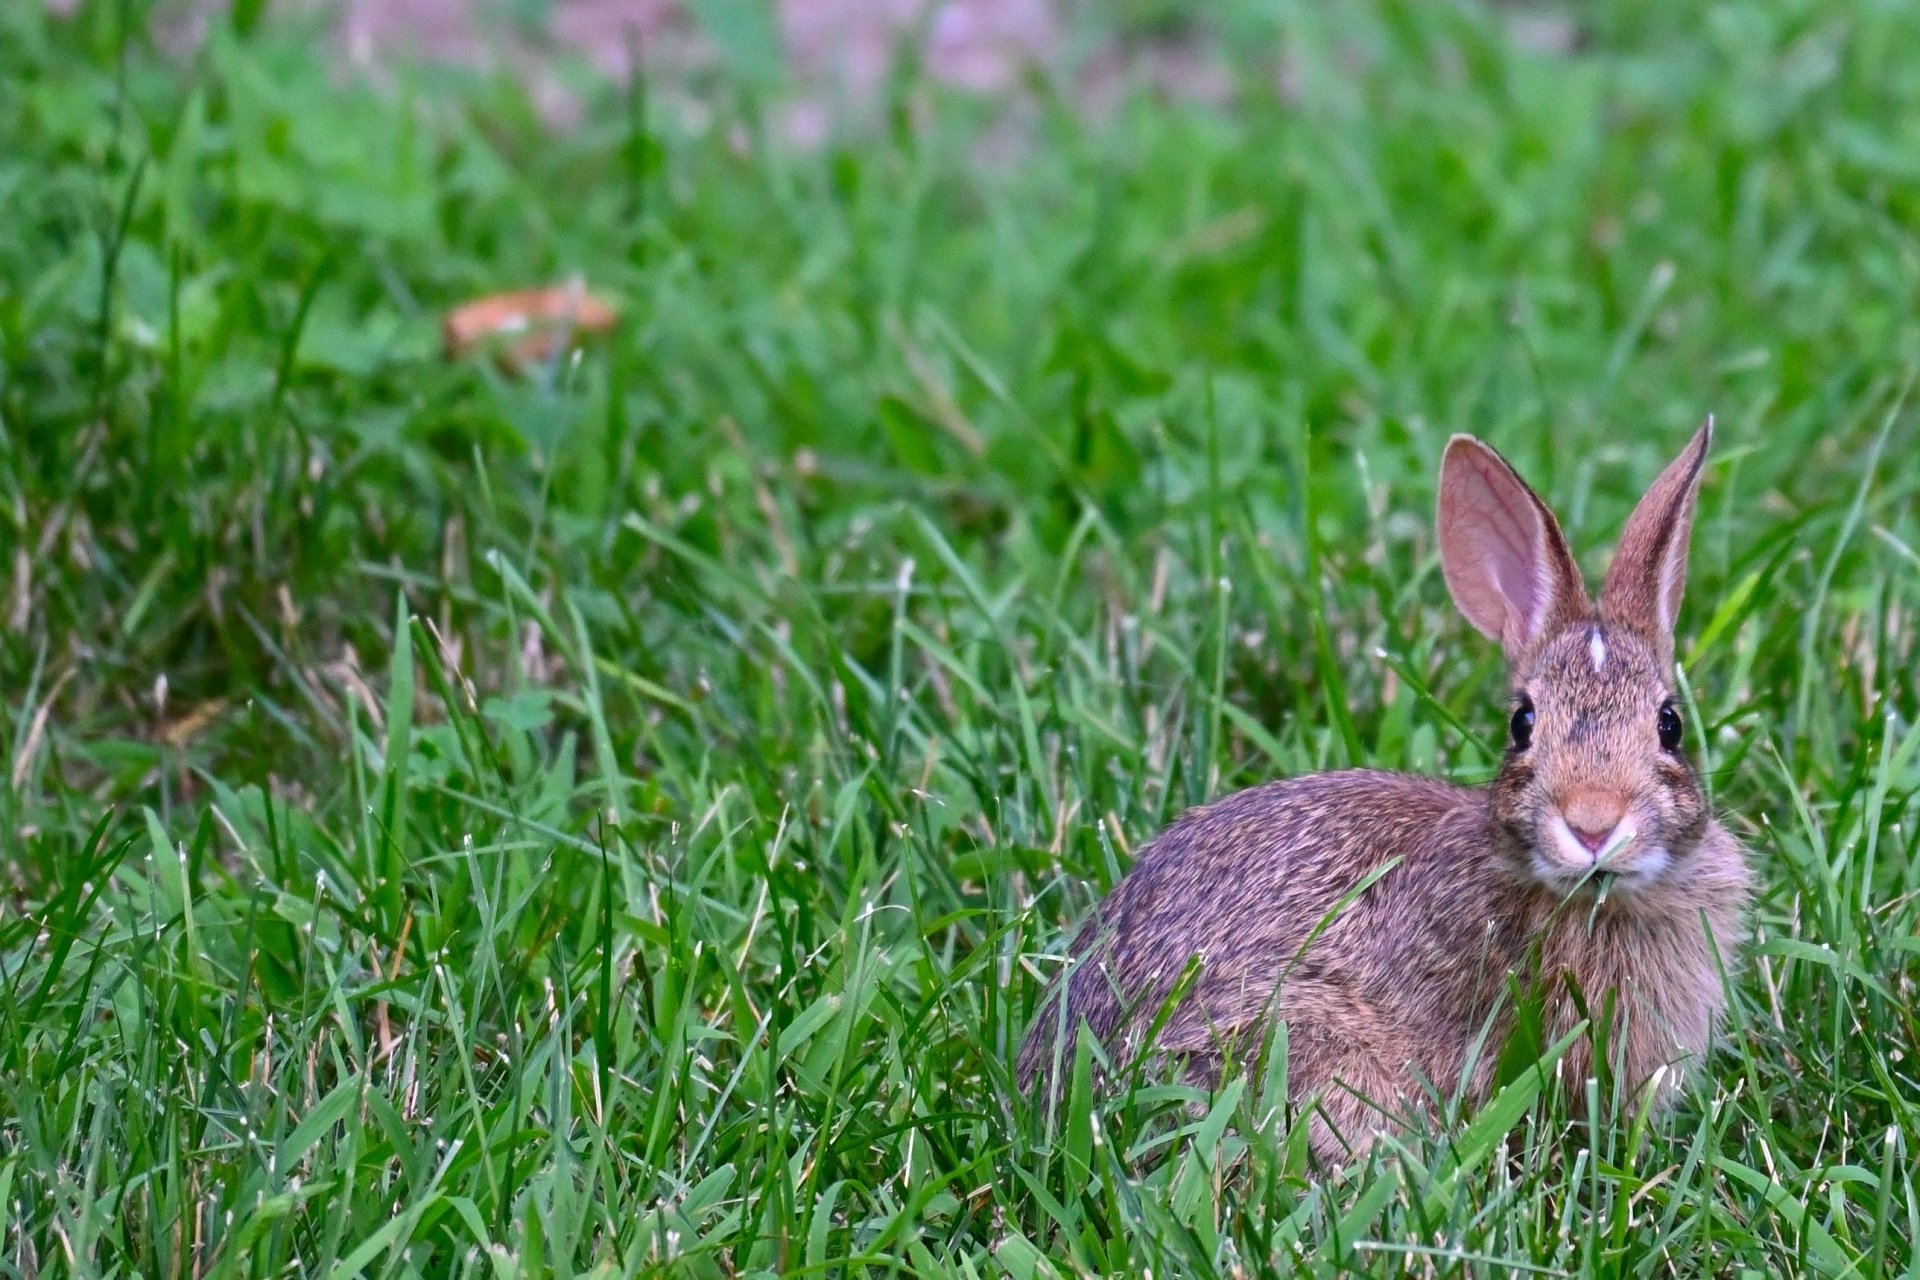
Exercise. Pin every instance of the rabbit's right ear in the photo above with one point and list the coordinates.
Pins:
(1505, 559)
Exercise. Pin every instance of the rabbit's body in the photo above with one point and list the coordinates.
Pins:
(1589, 865)
(1394, 995)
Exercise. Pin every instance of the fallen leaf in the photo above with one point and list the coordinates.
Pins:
(184, 730)
(539, 322)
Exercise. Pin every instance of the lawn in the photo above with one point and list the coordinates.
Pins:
(619, 820)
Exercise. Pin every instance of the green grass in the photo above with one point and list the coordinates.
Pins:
(618, 821)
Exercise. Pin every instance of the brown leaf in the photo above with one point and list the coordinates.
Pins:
(533, 324)
(184, 730)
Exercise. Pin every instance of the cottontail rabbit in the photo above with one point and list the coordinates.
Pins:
(1590, 859)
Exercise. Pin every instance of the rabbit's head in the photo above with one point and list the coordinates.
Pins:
(1595, 788)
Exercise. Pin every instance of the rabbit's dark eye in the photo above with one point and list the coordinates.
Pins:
(1671, 730)
(1520, 728)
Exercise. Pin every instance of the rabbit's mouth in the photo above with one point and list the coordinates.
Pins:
(1624, 861)
(1619, 883)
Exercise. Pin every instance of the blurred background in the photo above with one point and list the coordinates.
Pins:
(842, 50)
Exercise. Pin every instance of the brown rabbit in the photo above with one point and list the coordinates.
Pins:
(1591, 853)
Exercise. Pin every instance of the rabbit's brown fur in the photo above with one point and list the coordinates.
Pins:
(1405, 991)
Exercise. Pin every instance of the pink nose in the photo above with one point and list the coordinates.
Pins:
(1594, 840)
(1593, 815)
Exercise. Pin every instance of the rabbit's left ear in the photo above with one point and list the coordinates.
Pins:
(1505, 560)
(1649, 570)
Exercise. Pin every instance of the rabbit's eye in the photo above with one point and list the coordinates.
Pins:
(1671, 730)
(1521, 726)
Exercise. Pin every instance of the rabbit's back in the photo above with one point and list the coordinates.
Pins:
(1250, 888)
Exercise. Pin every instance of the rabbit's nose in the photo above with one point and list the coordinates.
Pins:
(1593, 817)
(1595, 841)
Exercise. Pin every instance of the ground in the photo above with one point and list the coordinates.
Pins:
(619, 816)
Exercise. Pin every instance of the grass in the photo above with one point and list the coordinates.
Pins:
(617, 822)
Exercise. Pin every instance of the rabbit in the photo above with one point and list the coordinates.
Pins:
(1590, 864)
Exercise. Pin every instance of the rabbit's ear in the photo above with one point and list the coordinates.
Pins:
(1649, 570)
(1505, 559)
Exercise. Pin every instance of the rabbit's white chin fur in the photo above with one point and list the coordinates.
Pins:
(1646, 872)
(1622, 863)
